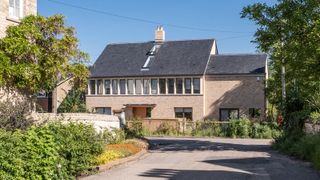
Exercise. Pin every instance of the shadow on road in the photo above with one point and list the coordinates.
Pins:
(202, 145)
(172, 174)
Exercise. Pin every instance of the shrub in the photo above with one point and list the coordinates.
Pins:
(136, 128)
(207, 128)
(261, 131)
(315, 117)
(15, 114)
(113, 136)
(166, 129)
(11, 164)
(78, 144)
(239, 128)
(108, 156)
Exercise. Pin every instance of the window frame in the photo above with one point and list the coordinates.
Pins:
(105, 86)
(229, 113)
(185, 85)
(183, 112)
(12, 13)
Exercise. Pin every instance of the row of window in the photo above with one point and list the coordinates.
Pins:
(186, 112)
(145, 86)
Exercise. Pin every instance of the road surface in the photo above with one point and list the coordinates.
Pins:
(211, 158)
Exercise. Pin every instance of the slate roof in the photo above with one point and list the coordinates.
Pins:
(237, 64)
(188, 57)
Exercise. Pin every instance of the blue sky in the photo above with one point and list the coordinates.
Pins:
(219, 19)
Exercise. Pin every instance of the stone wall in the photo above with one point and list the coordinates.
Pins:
(99, 121)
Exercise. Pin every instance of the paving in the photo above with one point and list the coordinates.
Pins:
(211, 158)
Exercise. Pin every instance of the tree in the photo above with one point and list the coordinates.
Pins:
(289, 32)
(39, 52)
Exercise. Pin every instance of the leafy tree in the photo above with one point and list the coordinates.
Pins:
(39, 52)
(74, 102)
(289, 32)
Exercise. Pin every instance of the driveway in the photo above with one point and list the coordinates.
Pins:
(211, 158)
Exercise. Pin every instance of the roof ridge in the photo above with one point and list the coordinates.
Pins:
(142, 42)
(239, 54)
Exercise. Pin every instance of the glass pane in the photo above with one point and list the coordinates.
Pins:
(187, 109)
(130, 86)
(233, 113)
(107, 110)
(92, 87)
(122, 86)
(148, 112)
(138, 86)
(224, 114)
(107, 86)
(196, 85)
(162, 86)
(17, 8)
(146, 86)
(187, 85)
(154, 86)
(114, 86)
(178, 109)
(99, 110)
(100, 86)
(179, 85)
(188, 115)
(170, 86)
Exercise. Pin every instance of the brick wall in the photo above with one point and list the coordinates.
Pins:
(29, 7)
(241, 92)
(164, 108)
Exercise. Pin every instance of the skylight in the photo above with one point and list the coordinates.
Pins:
(151, 55)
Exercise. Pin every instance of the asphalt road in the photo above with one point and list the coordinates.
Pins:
(211, 158)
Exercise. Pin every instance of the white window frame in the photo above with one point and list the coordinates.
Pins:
(11, 10)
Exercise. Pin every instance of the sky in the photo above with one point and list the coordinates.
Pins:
(101, 22)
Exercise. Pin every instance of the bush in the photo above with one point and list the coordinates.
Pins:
(136, 128)
(166, 129)
(53, 151)
(15, 114)
(113, 136)
(306, 147)
(108, 156)
(262, 131)
(315, 117)
(207, 128)
(239, 128)
(78, 144)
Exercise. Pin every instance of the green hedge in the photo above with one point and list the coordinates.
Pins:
(241, 128)
(53, 151)
(305, 147)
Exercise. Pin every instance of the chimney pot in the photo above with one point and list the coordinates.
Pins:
(159, 34)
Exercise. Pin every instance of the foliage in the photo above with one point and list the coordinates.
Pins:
(78, 144)
(306, 147)
(74, 102)
(15, 114)
(315, 117)
(113, 136)
(117, 151)
(38, 52)
(207, 128)
(289, 32)
(108, 156)
(239, 127)
(52, 151)
(135, 129)
(166, 129)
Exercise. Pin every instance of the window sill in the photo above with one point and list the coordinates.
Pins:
(13, 19)
(145, 95)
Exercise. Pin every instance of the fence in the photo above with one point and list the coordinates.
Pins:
(179, 125)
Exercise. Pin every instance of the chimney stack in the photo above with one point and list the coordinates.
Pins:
(159, 35)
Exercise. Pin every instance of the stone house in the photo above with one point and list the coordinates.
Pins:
(177, 79)
(11, 11)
